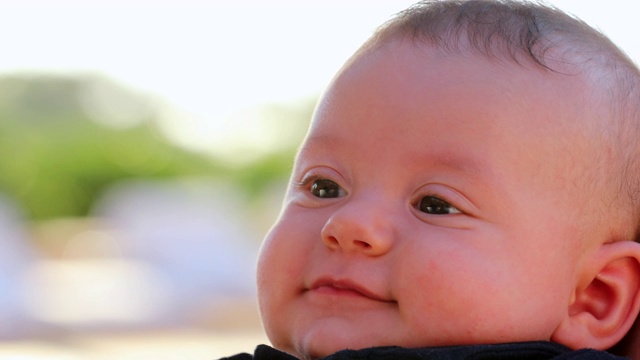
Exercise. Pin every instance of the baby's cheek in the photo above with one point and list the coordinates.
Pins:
(453, 291)
(272, 297)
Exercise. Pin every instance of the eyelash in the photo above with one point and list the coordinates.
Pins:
(311, 181)
(438, 203)
(437, 207)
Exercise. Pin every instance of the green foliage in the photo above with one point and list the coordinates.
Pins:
(259, 176)
(56, 160)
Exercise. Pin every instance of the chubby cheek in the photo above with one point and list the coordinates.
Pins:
(445, 295)
(275, 260)
(282, 262)
(472, 295)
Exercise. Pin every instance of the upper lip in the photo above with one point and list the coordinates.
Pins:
(347, 284)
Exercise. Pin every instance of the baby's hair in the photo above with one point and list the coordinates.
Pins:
(527, 32)
(499, 29)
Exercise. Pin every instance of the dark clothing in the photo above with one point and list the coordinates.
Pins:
(523, 351)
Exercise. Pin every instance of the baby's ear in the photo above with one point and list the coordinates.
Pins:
(606, 301)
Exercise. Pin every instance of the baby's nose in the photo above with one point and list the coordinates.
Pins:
(359, 228)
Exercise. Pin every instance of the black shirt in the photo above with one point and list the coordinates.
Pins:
(525, 351)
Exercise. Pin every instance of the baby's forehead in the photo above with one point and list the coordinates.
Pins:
(416, 94)
(501, 59)
(400, 86)
(466, 76)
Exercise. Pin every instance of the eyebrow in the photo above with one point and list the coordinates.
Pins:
(465, 164)
(447, 159)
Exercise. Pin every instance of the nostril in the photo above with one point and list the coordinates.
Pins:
(362, 244)
(332, 241)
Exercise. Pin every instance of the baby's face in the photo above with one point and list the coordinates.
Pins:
(425, 208)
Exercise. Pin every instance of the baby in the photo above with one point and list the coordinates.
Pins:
(469, 185)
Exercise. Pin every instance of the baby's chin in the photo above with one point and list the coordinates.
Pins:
(316, 348)
(324, 342)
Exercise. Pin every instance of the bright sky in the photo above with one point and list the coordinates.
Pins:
(212, 59)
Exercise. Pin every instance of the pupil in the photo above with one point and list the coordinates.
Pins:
(325, 189)
(433, 205)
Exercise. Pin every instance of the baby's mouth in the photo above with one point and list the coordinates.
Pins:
(345, 288)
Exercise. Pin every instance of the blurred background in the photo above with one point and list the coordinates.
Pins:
(145, 150)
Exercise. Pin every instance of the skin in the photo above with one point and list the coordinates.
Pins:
(361, 256)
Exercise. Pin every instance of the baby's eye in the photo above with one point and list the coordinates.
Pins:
(324, 188)
(434, 206)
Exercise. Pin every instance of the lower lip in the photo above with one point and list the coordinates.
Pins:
(332, 290)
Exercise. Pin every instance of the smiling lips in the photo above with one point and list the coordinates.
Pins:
(345, 288)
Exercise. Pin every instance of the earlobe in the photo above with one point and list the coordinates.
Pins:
(606, 305)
